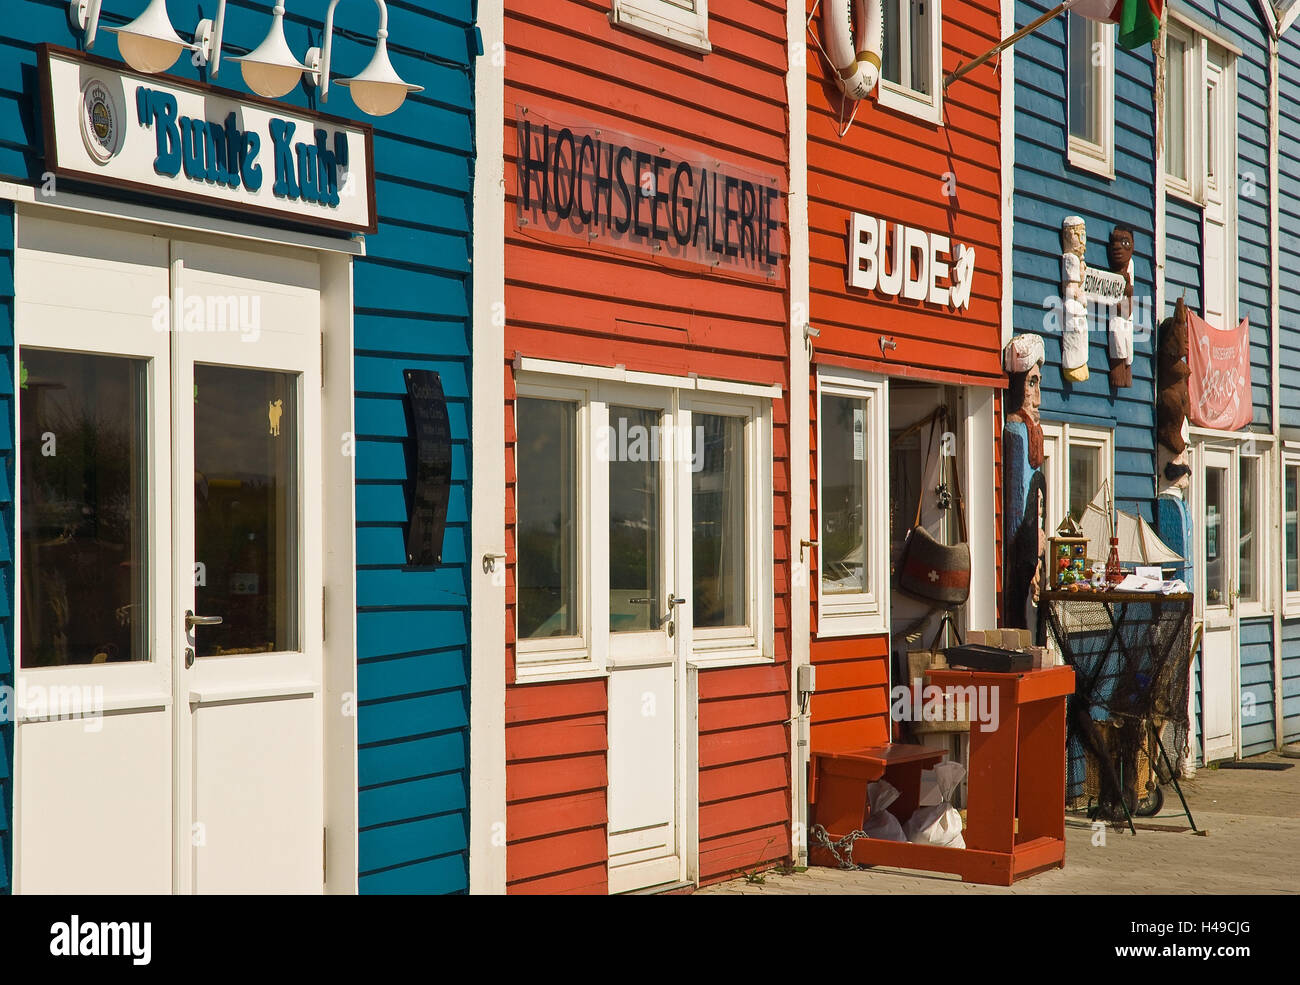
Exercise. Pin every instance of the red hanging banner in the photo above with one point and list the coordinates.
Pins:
(1219, 386)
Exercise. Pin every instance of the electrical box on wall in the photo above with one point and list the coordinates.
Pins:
(806, 678)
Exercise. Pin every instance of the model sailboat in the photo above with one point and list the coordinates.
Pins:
(1138, 541)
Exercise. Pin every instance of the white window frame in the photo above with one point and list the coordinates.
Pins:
(1193, 70)
(1099, 158)
(557, 658)
(1262, 605)
(859, 613)
(664, 20)
(1290, 597)
(728, 646)
(905, 99)
(1059, 436)
(594, 388)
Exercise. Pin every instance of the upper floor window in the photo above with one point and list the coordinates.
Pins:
(681, 22)
(912, 60)
(1092, 95)
(1198, 113)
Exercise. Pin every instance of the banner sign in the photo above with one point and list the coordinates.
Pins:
(1219, 386)
(165, 137)
(606, 188)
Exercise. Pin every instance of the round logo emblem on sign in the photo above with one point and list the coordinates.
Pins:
(101, 121)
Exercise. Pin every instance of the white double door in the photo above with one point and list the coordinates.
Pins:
(170, 564)
(649, 612)
(1218, 540)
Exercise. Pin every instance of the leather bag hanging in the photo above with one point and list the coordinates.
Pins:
(928, 569)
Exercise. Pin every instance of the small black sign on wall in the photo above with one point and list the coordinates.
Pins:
(428, 482)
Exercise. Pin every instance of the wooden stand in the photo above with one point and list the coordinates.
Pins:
(1015, 789)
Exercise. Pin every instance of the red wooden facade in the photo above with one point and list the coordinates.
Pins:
(896, 167)
(580, 303)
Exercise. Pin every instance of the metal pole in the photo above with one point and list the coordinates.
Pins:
(1006, 43)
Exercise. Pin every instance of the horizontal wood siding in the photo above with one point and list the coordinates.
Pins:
(1291, 680)
(411, 310)
(1047, 189)
(1256, 682)
(609, 307)
(1289, 226)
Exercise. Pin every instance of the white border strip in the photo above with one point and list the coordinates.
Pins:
(487, 732)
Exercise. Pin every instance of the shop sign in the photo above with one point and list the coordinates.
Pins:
(163, 137)
(607, 188)
(898, 260)
(1103, 286)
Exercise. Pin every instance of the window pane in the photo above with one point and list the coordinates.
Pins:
(1216, 499)
(1211, 133)
(1246, 581)
(546, 570)
(844, 505)
(635, 600)
(84, 546)
(1175, 108)
(1083, 79)
(920, 46)
(1085, 478)
(891, 64)
(1292, 530)
(720, 593)
(246, 509)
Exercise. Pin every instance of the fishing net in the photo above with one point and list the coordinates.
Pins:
(1130, 656)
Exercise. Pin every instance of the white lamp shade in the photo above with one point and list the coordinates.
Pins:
(270, 69)
(150, 43)
(378, 90)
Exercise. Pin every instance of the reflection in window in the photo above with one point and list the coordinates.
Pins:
(546, 567)
(634, 530)
(84, 491)
(906, 59)
(720, 592)
(843, 494)
(246, 509)
(1292, 533)
(1216, 578)
(1085, 78)
(1246, 581)
(1175, 107)
(1085, 477)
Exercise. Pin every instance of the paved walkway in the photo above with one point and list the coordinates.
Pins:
(1252, 845)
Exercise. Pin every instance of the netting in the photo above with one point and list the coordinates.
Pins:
(1130, 656)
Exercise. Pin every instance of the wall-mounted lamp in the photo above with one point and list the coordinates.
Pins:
(270, 69)
(377, 89)
(148, 44)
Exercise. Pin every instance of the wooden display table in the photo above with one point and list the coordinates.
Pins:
(1017, 773)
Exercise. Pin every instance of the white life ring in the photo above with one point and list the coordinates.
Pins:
(855, 55)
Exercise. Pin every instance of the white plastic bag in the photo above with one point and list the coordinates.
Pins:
(936, 821)
(882, 825)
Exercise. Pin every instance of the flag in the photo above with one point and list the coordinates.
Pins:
(1138, 20)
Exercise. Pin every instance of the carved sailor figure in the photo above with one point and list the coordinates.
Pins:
(1120, 253)
(1074, 320)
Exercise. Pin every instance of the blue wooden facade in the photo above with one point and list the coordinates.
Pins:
(1047, 189)
(412, 310)
(1241, 25)
(1289, 328)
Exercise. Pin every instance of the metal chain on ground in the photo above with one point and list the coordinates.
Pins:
(845, 860)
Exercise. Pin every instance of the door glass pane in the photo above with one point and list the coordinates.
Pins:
(1246, 586)
(1085, 478)
(1216, 503)
(1292, 530)
(720, 590)
(636, 602)
(546, 570)
(1175, 108)
(844, 504)
(84, 545)
(246, 509)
